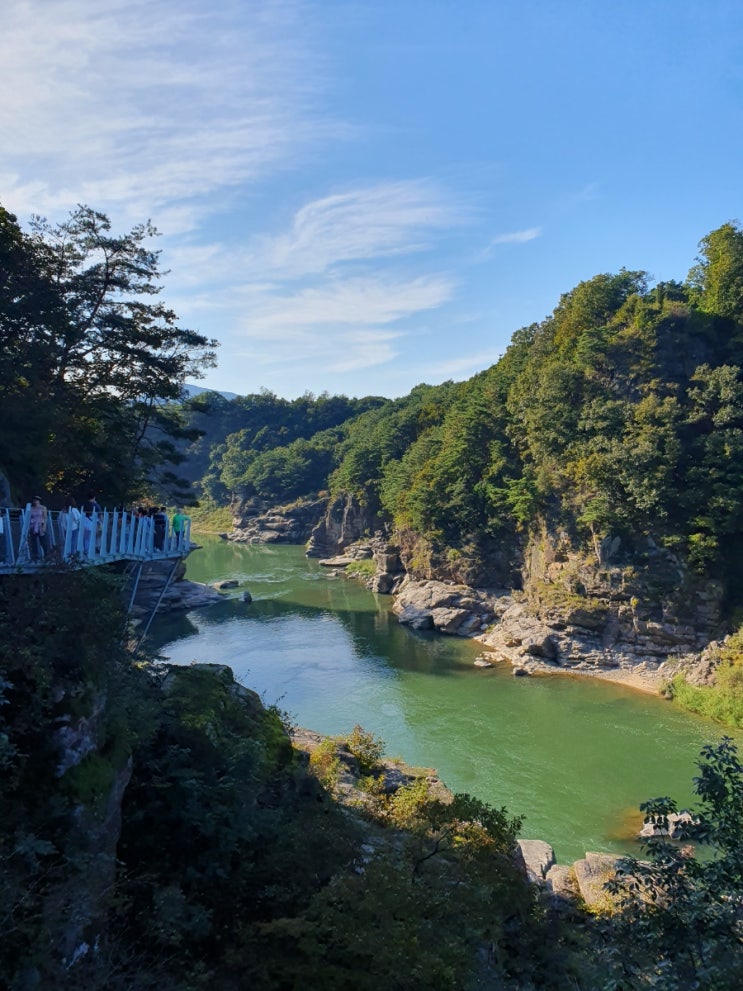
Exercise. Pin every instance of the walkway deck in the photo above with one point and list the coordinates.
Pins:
(98, 539)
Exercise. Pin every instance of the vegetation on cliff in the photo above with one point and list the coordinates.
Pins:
(616, 422)
(160, 831)
(621, 413)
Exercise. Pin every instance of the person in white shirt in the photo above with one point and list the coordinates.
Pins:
(73, 523)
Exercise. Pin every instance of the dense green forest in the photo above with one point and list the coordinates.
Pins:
(158, 829)
(621, 413)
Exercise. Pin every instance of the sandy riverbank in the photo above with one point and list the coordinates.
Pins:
(638, 680)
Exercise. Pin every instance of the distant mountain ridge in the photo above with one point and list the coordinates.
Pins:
(196, 390)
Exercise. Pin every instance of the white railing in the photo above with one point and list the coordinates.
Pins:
(80, 538)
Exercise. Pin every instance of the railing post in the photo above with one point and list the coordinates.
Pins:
(80, 535)
(104, 534)
(8, 555)
(114, 531)
(67, 535)
(23, 538)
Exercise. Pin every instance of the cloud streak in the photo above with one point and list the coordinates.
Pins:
(343, 306)
(141, 105)
(517, 237)
(183, 111)
(374, 221)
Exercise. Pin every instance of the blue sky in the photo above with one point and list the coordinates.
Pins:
(358, 197)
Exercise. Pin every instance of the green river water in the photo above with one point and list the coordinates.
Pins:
(574, 756)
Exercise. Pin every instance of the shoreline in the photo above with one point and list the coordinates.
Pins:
(635, 680)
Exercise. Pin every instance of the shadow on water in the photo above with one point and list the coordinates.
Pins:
(376, 634)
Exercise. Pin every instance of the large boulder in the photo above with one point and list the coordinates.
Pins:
(538, 856)
(453, 609)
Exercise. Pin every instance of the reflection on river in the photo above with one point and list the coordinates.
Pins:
(574, 756)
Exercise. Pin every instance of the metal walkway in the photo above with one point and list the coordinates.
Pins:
(99, 538)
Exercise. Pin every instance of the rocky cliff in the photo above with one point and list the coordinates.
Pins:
(257, 523)
(540, 603)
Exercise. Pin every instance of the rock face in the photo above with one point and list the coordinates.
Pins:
(547, 604)
(343, 523)
(181, 594)
(538, 856)
(292, 524)
(573, 613)
(589, 639)
(584, 880)
(591, 875)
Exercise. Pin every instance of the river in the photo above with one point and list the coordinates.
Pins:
(574, 756)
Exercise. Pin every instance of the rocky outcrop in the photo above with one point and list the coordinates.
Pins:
(292, 524)
(344, 522)
(448, 608)
(700, 669)
(538, 856)
(583, 880)
(549, 604)
(392, 774)
(612, 615)
(591, 874)
(180, 595)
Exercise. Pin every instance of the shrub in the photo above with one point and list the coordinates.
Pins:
(366, 568)
(325, 762)
(366, 748)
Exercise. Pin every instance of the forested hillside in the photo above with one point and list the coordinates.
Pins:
(621, 413)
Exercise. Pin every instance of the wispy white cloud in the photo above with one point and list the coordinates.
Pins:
(517, 237)
(337, 327)
(373, 221)
(178, 109)
(336, 352)
(140, 105)
(346, 305)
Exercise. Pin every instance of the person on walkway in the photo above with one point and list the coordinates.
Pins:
(91, 522)
(74, 517)
(38, 539)
(90, 505)
(160, 524)
(179, 525)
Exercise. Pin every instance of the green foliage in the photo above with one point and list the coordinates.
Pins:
(723, 699)
(261, 445)
(209, 518)
(681, 924)
(366, 748)
(70, 712)
(717, 278)
(365, 568)
(87, 357)
(325, 763)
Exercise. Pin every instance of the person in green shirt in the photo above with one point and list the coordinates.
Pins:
(179, 524)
